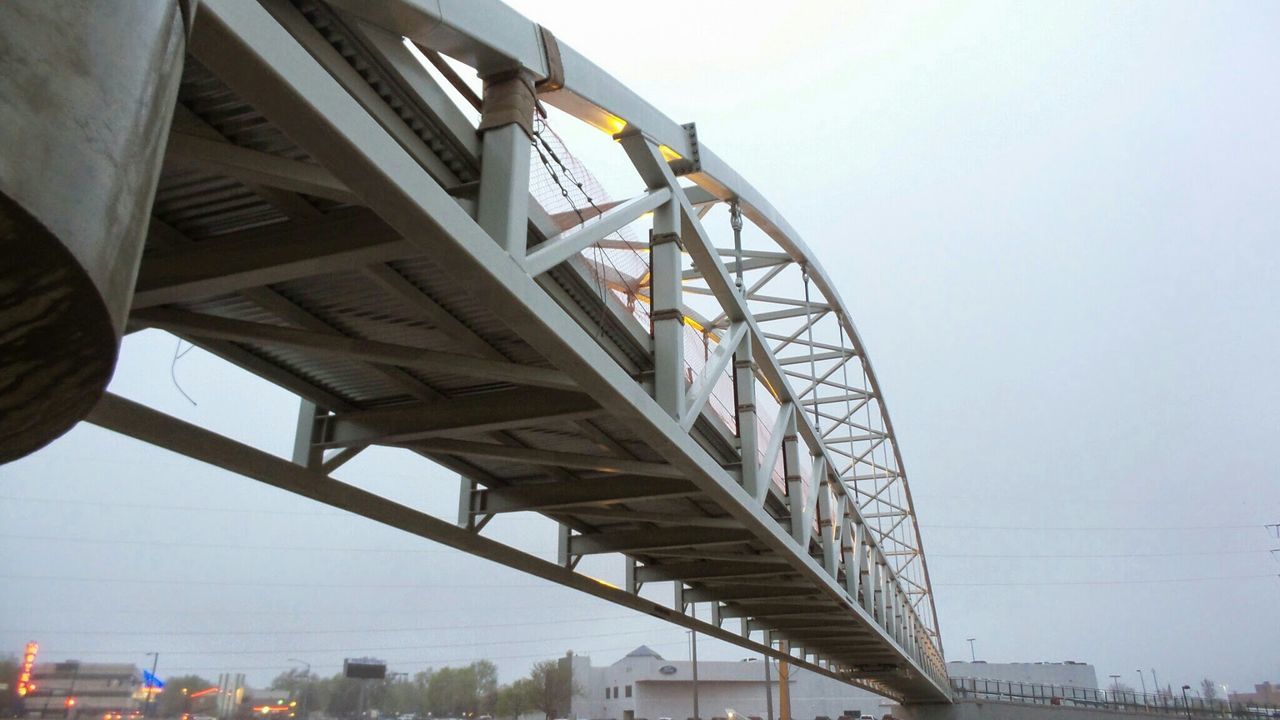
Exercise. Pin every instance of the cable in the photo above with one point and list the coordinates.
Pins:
(1056, 583)
(1098, 556)
(219, 583)
(411, 663)
(1091, 527)
(150, 506)
(379, 648)
(482, 626)
(178, 354)
(235, 546)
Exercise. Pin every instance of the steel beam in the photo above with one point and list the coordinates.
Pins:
(649, 539)
(220, 328)
(598, 492)
(473, 413)
(568, 244)
(155, 428)
(262, 256)
(253, 166)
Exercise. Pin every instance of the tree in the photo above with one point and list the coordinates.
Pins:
(554, 680)
(486, 674)
(304, 687)
(451, 692)
(1208, 690)
(9, 676)
(517, 698)
(341, 696)
(173, 701)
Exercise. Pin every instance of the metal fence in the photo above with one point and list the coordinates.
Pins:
(1119, 701)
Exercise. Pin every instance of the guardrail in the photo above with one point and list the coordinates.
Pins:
(1119, 701)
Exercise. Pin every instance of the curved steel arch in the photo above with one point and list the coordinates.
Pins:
(488, 34)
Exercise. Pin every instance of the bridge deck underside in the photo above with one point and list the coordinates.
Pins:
(285, 273)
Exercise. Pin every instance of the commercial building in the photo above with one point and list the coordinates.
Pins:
(74, 689)
(645, 686)
(1028, 682)
(1265, 695)
(1062, 674)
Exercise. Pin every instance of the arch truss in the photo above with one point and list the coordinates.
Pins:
(671, 378)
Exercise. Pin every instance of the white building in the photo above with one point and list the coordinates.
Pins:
(644, 686)
(1063, 674)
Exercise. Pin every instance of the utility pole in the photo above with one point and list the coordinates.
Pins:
(784, 686)
(693, 655)
(151, 685)
(768, 686)
(306, 687)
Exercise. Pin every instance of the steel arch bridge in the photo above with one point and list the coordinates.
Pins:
(672, 378)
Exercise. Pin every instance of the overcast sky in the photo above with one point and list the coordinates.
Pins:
(1057, 226)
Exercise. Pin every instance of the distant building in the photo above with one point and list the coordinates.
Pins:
(645, 686)
(1034, 682)
(1265, 695)
(72, 689)
(1065, 674)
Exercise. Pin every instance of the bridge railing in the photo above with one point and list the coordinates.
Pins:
(1117, 700)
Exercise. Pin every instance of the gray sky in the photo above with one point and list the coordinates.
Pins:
(1056, 225)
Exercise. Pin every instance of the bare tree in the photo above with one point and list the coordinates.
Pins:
(1208, 690)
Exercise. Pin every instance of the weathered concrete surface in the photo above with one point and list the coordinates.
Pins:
(1001, 710)
(86, 96)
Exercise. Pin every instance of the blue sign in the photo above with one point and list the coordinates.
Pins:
(149, 680)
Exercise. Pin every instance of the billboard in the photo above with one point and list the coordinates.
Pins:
(364, 668)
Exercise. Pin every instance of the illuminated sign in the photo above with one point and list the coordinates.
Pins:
(25, 686)
(152, 681)
(202, 693)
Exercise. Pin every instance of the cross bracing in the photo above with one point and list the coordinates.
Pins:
(330, 219)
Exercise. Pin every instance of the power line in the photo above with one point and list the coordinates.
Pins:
(275, 650)
(1092, 528)
(1105, 582)
(263, 583)
(195, 508)
(453, 626)
(411, 551)
(1053, 556)
(409, 663)
(236, 546)
(928, 526)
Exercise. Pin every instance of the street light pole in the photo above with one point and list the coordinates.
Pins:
(1185, 703)
(1115, 688)
(693, 656)
(768, 685)
(1144, 684)
(306, 686)
(972, 656)
(151, 685)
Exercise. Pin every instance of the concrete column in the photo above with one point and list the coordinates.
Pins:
(87, 92)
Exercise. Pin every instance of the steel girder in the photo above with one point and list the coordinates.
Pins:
(828, 572)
